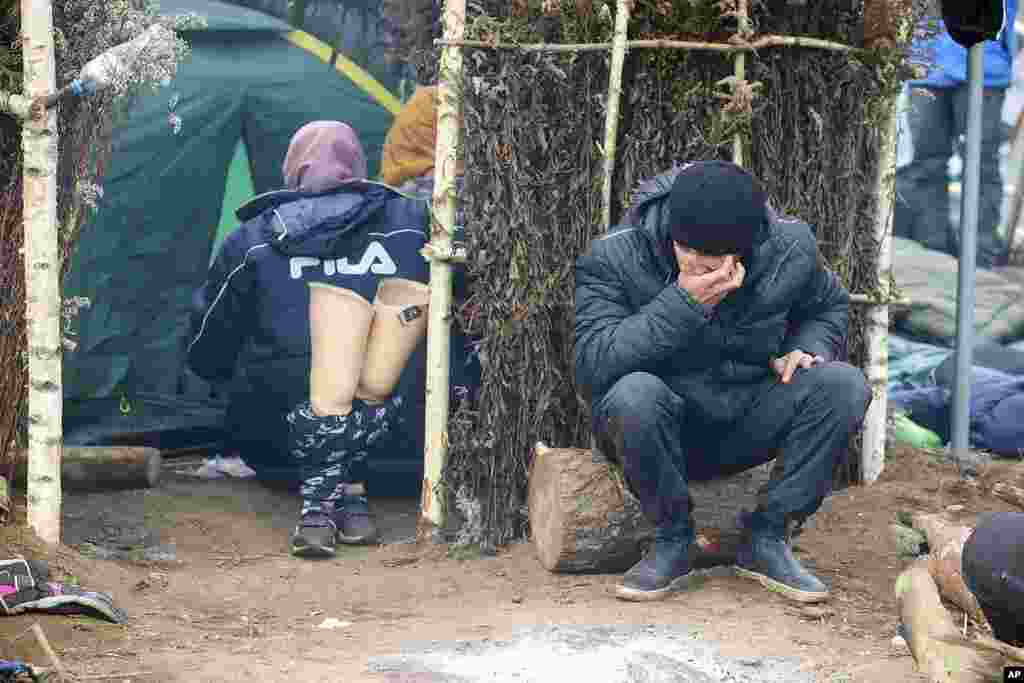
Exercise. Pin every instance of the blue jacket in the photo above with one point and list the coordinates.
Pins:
(948, 60)
(250, 321)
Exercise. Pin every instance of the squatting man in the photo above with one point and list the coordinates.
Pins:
(709, 339)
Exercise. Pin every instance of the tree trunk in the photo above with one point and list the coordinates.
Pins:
(938, 648)
(42, 268)
(583, 518)
(102, 468)
(872, 454)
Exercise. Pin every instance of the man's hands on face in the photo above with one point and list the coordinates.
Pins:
(785, 367)
(708, 287)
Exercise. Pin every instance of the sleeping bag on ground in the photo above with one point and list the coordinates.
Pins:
(913, 363)
(996, 410)
(929, 279)
(992, 356)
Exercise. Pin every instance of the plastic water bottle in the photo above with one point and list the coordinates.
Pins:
(99, 73)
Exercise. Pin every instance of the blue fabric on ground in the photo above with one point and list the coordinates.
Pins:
(996, 410)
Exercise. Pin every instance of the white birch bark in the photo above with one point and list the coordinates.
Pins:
(433, 513)
(42, 268)
(611, 133)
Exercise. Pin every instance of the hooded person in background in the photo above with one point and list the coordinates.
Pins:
(323, 156)
(709, 339)
(407, 161)
(311, 309)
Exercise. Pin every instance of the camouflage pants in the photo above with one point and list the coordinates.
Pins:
(331, 451)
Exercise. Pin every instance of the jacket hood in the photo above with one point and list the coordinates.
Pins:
(321, 225)
(649, 212)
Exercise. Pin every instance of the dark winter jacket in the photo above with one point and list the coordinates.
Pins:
(631, 316)
(250, 323)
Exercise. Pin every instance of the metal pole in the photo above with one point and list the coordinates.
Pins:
(968, 253)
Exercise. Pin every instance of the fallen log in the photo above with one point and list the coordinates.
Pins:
(939, 651)
(1009, 493)
(100, 468)
(946, 570)
(1005, 481)
(583, 518)
(945, 561)
(1012, 654)
(940, 532)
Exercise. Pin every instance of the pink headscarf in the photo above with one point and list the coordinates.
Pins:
(323, 155)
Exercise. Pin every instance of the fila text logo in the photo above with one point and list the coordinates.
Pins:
(375, 260)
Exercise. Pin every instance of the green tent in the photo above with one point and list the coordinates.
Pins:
(169, 198)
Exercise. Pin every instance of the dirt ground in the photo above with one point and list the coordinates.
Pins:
(223, 601)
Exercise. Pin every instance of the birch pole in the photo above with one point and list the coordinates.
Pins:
(432, 507)
(42, 285)
(611, 128)
(872, 458)
(740, 71)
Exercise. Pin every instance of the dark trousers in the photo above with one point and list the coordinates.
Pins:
(938, 117)
(993, 569)
(807, 423)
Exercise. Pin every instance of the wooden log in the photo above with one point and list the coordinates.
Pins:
(945, 561)
(1012, 653)
(101, 468)
(939, 532)
(945, 566)
(939, 650)
(1003, 480)
(1009, 492)
(583, 517)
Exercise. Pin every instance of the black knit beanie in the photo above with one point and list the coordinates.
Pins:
(716, 208)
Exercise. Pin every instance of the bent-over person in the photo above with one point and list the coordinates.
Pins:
(311, 313)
